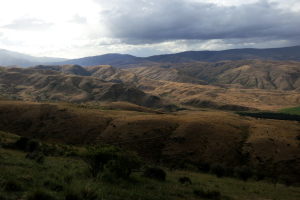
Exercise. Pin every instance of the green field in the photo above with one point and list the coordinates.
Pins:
(294, 110)
(61, 176)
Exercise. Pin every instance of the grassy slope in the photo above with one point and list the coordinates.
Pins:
(58, 175)
(294, 110)
(209, 136)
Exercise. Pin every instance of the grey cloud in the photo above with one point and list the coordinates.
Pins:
(154, 21)
(28, 24)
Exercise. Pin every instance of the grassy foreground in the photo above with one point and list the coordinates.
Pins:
(63, 177)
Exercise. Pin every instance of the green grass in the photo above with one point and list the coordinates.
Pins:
(59, 176)
(294, 110)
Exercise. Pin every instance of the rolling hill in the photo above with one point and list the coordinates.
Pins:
(125, 61)
(10, 58)
(44, 85)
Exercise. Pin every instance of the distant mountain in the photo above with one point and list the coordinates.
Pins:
(11, 58)
(8, 58)
(127, 61)
(107, 59)
(285, 53)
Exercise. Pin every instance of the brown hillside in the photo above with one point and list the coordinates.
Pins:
(206, 136)
(40, 85)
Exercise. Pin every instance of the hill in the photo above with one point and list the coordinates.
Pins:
(182, 84)
(62, 175)
(286, 53)
(184, 137)
(125, 61)
(48, 85)
(10, 58)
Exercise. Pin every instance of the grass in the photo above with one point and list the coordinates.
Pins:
(294, 110)
(58, 177)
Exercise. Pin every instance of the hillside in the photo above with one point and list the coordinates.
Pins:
(187, 136)
(49, 85)
(197, 85)
(270, 75)
(61, 176)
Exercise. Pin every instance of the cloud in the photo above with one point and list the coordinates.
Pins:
(77, 19)
(155, 21)
(28, 24)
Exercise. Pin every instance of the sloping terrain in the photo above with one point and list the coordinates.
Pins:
(270, 75)
(45, 85)
(189, 136)
(220, 96)
(223, 85)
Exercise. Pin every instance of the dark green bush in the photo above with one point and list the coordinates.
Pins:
(33, 145)
(28, 145)
(40, 195)
(155, 173)
(113, 160)
(204, 167)
(21, 143)
(12, 186)
(87, 193)
(243, 173)
(123, 165)
(207, 194)
(218, 170)
(36, 156)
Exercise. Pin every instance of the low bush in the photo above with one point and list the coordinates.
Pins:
(207, 194)
(12, 186)
(21, 143)
(243, 173)
(86, 193)
(185, 180)
(218, 170)
(114, 161)
(155, 173)
(27, 145)
(36, 156)
(40, 195)
(204, 167)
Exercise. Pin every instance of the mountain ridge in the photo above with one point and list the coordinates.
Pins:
(127, 61)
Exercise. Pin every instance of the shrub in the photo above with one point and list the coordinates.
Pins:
(12, 186)
(36, 156)
(87, 193)
(185, 180)
(243, 173)
(204, 167)
(53, 185)
(111, 159)
(218, 170)
(33, 145)
(97, 157)
(122, 166)
(40, 195)
(155, 173)
(26, 144)
(21, 143)
(207, 194)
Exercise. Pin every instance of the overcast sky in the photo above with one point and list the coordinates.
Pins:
(78, 28)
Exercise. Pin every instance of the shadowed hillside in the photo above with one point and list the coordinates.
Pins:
(45, 85)
(189, 136)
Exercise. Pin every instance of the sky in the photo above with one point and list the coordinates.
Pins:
(79, 28)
